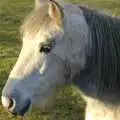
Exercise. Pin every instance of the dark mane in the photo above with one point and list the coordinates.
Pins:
(105, 53)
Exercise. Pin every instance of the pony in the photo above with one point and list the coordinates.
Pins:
(65, 44)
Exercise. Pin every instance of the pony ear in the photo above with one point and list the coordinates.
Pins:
(55, 12)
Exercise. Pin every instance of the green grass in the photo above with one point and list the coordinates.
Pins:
(69, 105)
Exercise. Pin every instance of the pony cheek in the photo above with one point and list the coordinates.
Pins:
(43, 100)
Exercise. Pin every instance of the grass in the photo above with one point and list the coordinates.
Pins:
(69, 105)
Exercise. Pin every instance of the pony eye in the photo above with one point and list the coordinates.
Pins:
(45, 48)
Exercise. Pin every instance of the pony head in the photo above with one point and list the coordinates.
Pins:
(48, 53)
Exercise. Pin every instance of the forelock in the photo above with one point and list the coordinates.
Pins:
(36, 20)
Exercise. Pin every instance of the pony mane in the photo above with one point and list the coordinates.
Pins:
(36, 20)
(105, 53)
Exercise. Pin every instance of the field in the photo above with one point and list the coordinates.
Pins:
(69, 105)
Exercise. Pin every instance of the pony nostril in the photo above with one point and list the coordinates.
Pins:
(11, 103)
(8, 103)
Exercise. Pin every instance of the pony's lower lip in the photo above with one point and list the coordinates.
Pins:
(13, 113)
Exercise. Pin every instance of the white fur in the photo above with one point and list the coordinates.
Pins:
(96, 110)
(5, 101)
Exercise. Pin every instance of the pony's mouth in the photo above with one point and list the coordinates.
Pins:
(23, 110)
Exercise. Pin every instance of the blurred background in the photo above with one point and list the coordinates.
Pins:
(69, 105)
